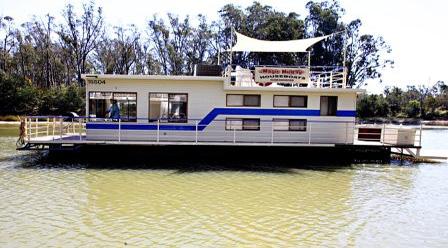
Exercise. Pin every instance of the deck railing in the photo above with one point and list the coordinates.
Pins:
(389, 134)
(54, 127)
(318, 77)
(60, 129)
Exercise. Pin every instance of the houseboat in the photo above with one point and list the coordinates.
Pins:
(286, 106)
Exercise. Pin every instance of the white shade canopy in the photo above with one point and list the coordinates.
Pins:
(247, 44)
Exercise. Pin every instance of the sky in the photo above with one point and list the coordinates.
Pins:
(415, 29)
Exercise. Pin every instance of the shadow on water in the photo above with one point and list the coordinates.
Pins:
(191, 159)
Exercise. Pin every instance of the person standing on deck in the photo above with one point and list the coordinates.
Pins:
(114, 111)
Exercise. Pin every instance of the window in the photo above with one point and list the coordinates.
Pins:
(243, 100)
(100, 102)
(289, 125)
(168, 107)
(328, 105)
(291, 101)
(127, 102)
(242, 124)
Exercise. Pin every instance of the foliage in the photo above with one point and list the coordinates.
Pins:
(41, 61)
(414, 102)
(19, 97)
(80, 35)
(51, 52)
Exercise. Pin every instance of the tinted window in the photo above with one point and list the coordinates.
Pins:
(243, 100)
(168, 107)
(291, 101)
(328, 105)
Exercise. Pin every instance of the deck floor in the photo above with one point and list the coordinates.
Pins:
(77, 139)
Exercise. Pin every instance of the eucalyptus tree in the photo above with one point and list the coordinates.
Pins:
(159, 36)
(125, 44)
(261, 22)
(181, 33)
(199, 46)
(39, 54)
(365, 54)
(7, 27)
(324, 18)
(79, 35)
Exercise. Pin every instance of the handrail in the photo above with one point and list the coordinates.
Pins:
(220, 130)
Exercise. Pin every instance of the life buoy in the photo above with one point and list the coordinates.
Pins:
(265, 84)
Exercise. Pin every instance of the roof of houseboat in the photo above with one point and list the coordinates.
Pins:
(221, 79)
(152, 77)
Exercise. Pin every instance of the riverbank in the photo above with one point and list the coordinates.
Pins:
(436, 123)
(9, 122)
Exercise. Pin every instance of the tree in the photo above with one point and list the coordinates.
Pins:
(372, 106)
(79, 35)
(260, 22)
(199, 47)
(364, 56)
(125, 47)
(8, 41)
(181, 34)
(159, 36)
(413, 109)
(323, 19)
(364, 52)
(38, 54)
(394, 98)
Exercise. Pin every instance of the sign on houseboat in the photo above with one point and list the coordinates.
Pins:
(269, 75)
(96, 81)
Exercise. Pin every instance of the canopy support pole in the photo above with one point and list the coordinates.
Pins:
(309, 59)
(344, 54)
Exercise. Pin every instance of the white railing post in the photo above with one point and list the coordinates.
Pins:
(309, 132)
(37, 127)
(119, 129)
(80, 128)
(196, 132)
(383, 133)
(331, 79)
(61, 123)
(48, 126)
(53, 126)
(420, 134)
(158, 130)
(234, 135)
(344, 78)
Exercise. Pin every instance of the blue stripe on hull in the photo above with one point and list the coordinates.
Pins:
(215, 113)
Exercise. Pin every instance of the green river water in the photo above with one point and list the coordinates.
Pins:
(73, 205)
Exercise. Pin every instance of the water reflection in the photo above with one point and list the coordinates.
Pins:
(205, 209)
